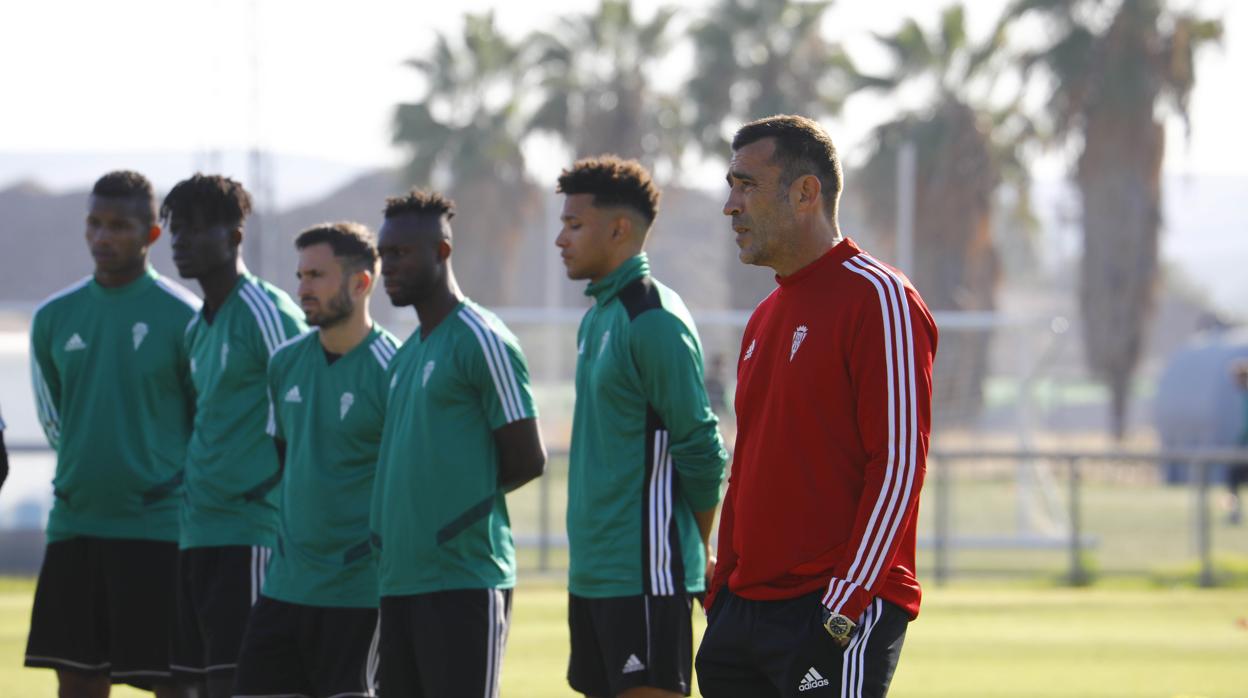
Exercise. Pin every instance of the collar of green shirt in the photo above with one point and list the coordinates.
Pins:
(146, 279)
(608, 286)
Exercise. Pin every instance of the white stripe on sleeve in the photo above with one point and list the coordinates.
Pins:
(895, 491)
(262, 321)
(492, 363)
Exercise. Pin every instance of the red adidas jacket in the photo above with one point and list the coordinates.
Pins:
(834, 386)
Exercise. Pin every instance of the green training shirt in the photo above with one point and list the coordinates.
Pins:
(646, 451)
(231, 464)
(438, 517)
(114, 398)
(330, 415)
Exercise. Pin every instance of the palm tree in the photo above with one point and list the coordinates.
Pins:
(964, 148)
(1111, 83)
(755, 58)
(596, 80)
(466, 130)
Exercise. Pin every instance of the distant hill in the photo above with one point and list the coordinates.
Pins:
(41, 238)
(295, 179)
(42, 250)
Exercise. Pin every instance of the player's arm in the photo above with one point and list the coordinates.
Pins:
(185, 380)
(890, 365)
(497, 367)
(706, 524)
(46, 381)
(521, 454)
(726, 555)
(4, 457)
(669, 361)
(273, 427)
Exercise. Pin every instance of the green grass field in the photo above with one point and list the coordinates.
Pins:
(996, 641)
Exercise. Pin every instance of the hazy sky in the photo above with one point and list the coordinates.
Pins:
(320, 79)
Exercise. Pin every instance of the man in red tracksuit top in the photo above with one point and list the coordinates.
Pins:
(815, 581)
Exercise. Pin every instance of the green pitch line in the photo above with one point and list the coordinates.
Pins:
(971, 641)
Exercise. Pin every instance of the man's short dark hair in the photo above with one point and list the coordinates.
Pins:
(217, 199)
(802, 148)
(614, 182)
(419, 201)
(351, 242)
(128, 184)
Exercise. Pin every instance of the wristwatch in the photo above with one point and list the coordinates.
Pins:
(838, 626)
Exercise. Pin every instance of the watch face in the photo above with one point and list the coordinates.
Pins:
(838, 626)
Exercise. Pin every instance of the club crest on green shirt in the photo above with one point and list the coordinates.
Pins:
(139, 331)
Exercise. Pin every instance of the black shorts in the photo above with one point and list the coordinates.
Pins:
(105, 606)
(215, 591)
(445, 644)
(298, 650)
(761, 649)
(629, 641)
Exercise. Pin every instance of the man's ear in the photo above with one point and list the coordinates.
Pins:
(153, 234)
(363, 282)
(621, 228)
(444, 249)
(806, 192)
(236, 237)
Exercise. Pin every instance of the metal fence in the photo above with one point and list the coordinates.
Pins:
(1075, 467)
(1025, 511)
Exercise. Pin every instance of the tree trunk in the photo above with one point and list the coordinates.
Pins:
(488, 229)
(955, 262)
(1120, 185)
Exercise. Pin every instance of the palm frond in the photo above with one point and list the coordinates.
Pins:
(909, 46)
(952, 31)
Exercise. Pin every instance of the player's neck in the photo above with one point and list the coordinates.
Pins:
(121, 277)
(434, 309)
(347, 335)
(218, 284)
(808, 247)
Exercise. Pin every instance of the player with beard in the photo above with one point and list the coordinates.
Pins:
(229, 512)
(461, 431)
(313, 632)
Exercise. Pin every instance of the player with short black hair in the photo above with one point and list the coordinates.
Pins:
(421, 201)
(647, 459)
(114, 397)
(815, 583)
(613, 182)
(461, 431)
(128, 184)
(217, 200)
(229, 512)
(313, 632)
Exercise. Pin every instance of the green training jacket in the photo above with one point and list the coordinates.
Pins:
(646, 451)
